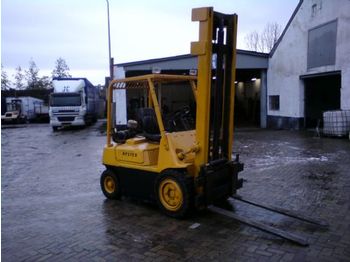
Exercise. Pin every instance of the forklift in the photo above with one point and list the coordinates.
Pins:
(14, 112)
(183, 166)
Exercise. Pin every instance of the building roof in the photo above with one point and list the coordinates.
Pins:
(286, 28)
(179, 57)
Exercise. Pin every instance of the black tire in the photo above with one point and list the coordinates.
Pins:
(110, 185)
(54, 128)
(174, 191)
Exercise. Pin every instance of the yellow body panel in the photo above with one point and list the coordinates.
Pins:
(139, 153)
(142, 153)
(168, 158)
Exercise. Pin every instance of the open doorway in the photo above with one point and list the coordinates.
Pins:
(322, 93)
(247, 98)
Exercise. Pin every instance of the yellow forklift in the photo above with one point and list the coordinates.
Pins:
(177, 164)
(184, 169)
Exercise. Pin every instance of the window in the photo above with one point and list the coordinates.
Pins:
(322, 45)
(65, 99)
(274, 102)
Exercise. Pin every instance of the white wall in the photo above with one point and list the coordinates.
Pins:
(119, 97)
(290, 58)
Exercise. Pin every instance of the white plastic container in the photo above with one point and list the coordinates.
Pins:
(336, 123)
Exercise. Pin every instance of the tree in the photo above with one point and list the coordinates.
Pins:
(252, 40)
(270, 35)
(19, 77)
(32, 75)
(5, 82)
(33, 79)
(44, 83)
(61, 68)
(265, 40)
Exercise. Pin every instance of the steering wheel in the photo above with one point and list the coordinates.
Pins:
(181, 120)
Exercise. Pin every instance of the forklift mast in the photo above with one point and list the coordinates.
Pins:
(216, 51)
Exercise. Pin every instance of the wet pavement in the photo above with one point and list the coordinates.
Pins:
(53, 209)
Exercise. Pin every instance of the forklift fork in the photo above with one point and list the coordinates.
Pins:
(283, 211)
(266, 228)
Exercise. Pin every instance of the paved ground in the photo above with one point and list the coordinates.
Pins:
(53, 209)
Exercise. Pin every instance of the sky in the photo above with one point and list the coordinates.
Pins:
(76, 30)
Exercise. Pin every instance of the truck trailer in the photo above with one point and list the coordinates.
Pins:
(74, 102)
(20, 109)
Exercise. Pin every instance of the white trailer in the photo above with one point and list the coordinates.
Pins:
(20, 109)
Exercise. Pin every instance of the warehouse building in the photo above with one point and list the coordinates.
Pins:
(309, 67)
(305, 74)
(251, 109)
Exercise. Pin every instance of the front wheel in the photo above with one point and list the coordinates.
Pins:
(110, 185)
(174, 193)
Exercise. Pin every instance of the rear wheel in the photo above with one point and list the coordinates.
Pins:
(110, 185)
(174, 193)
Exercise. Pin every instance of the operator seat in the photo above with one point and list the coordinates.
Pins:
(149, 124)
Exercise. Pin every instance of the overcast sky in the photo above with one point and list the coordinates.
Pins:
(140, 29)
